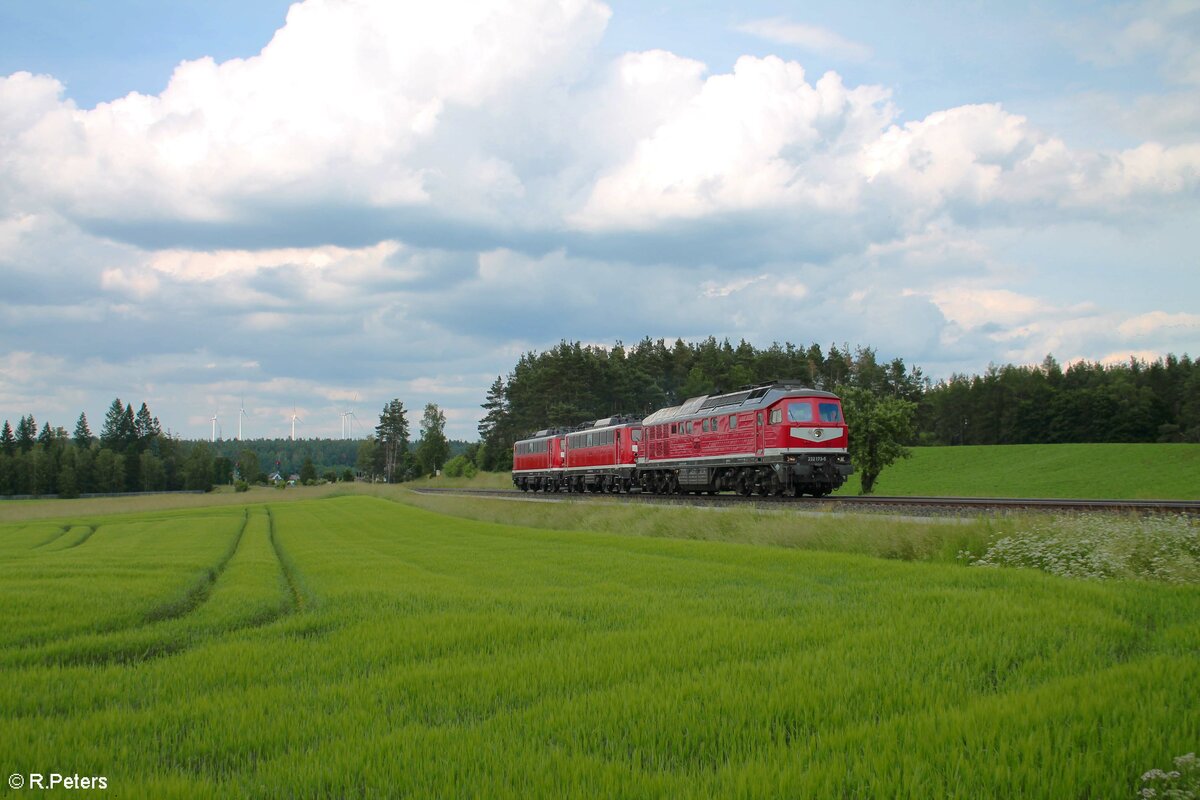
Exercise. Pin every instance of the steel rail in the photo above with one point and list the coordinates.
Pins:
(944, 504)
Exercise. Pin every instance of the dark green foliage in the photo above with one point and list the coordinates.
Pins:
(368, 458)
(83, 434)
(26, 433)
(879, 426)
(392, 434)
(68, 485)
(145, 426)
(433, 450)
(248, 468)
(111, 434)
(110, 471)
(198, 469)
(1136, 401)
(308, 472)
(222, 471)
(153, 474)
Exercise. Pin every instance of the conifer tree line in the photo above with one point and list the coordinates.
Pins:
(131, 454)
(388, 456)
(1137, 401)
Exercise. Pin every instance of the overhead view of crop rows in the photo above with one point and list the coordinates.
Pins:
(355, 646)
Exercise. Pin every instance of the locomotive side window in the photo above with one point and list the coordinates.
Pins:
(776, 416)
(714, 424)
(732, 421)
(705, 426)
(672, 429)
(800, 411)
(830, 412)
(637, 434)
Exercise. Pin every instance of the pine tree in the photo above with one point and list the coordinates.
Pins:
(8, 442)
(110, 434)
(83, 434)
(494, 427)
(145, 426)
(26, 433)
(46, 437)
(128, 426)
(392, 433)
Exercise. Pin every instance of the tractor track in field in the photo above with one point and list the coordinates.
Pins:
(928, 506)
(173, 642)
(299, 597)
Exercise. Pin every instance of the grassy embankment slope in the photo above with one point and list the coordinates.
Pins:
(382, 650)
(1102, 471)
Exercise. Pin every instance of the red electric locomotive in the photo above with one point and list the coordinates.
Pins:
(602, 457)
(538, 461)
(775, 438)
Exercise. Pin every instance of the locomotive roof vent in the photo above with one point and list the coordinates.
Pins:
(549, 432)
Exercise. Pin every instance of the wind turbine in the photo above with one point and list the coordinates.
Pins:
(214, 426)
(295, 419)
(348, 419)
(241, 414)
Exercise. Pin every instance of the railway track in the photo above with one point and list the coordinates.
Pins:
(941, 505)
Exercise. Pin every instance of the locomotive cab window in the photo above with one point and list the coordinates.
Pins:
(830, 412)
(705, 426)
(800, 411)
(776, 416)
(637, 434)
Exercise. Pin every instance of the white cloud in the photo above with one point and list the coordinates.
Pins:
(759, 136)
(809, 37)
(347, 102)
(1165, 30)
(1157, 322)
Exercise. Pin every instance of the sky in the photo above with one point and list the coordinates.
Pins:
(315, 207)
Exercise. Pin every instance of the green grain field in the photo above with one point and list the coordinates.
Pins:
(1100, 471)
(359, 647)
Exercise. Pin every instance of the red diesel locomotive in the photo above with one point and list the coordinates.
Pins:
(775, 438)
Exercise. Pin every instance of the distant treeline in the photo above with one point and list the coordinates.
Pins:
(1137, 401)
(132, 453)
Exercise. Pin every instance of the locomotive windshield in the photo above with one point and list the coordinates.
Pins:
(831, 412)
(800, 411)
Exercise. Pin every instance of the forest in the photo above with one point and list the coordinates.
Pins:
(132, 453)
(1134, 401)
